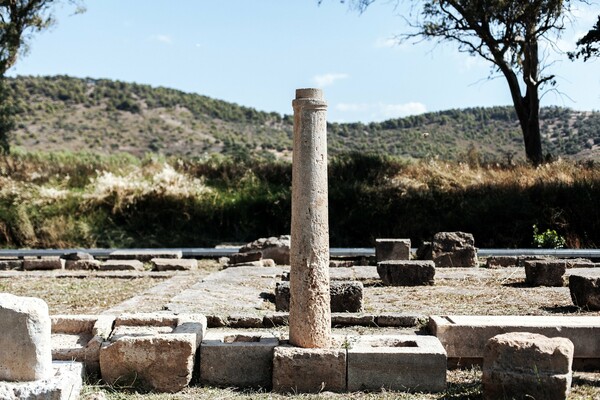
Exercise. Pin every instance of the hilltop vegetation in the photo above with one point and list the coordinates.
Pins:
(64, 113)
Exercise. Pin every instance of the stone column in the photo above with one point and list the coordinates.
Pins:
(310, 315)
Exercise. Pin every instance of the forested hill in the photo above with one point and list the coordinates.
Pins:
(64, 113)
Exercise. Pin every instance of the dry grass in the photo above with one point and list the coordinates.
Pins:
(89, 295)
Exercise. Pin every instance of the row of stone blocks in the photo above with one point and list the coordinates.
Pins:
(82, 263)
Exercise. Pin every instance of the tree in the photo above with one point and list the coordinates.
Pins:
(19, 20)
(507, 34)
(589, 45)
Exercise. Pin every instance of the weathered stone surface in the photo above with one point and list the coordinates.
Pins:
(527, 365)
(406, 273)
(579, 263)
(45, 263)
(545, 273)
(502, 261)
(64, 383)
(241, 258)
(161, 362)
(121, 265)
(398, 320)
(267, 262)
(276, 319)
(74, 339)
(585, 291)
(244, 321)
(299, 370)
(454, 249)
(352, 319)
(238, 359)
(174, 264)
(392, 249)
(11, 264)
(25, 339)
(465, 337)
(344, 296)
(400, 362)
(275, 248)
(78, 256)
(144, 255)
(82, 264)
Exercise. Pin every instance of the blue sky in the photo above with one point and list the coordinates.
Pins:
(256, 53)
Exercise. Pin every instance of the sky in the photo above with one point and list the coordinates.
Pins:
(256, 53)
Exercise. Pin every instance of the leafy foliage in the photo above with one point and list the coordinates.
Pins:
(549, 239)
(588, 45)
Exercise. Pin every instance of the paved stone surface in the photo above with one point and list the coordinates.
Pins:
(25, 344)
(239, 290)
(64, 383)
(527, 365)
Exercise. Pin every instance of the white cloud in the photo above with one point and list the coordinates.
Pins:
(166, 39)
(386, 42)
(380, 111)
(328, 79)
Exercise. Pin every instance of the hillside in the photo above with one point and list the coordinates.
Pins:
(64, 113)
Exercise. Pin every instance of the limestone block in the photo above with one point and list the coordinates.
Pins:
(25, 342)
(121, 265)
(523, 364)
(43, 264)
(545, 272)
(237, 359)
(585, 291)
(78, 256)
(392, 249)
(275, 248)
(244, 321)
(398, 320)
(300, 370)
(502, 261)
(11, 264)
(406, 273)
(352, 319)
(345, 296)
(161, 362)
(276, 319)
(454, 249)
(82, 265)
(64, 383)
(74, 339)
(267, 263)
(241, 258)
(144, 255)
(399, 362)
(174, 264)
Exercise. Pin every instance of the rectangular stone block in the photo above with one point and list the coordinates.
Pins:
(392, 249)
(465, 337)
(43, 264)
(144, 255)
(299, 370)
(25, 339)
(158, 356)
(174, 264)
(345, 296)
(11, 264)
(398, 320)
(400, 362)
(82, 264)
(237, 359)
(502, 261)
(121, 265)
(406, 273)
(64, 383)
(545, 272)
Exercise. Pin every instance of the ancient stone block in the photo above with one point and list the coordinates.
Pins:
(351, 319)
(400, 362)
(406, 273)
(545, 273)
(78, 256)
(276, 319)
(174, 264)
(392, 249)
(121, 265)
(244, 321)
(237, 359)
(502, 261)
(585, 291)
(454, 249)
(11, 264)
(299, 370)
(82, 264)
(398, 320)
(527, 365)
(345, 296)
(267, 263)
(241, 258)
(64, 383)
(155, 351)
(144, 255)
(43, 264)
(275, 248)
(25, 339)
